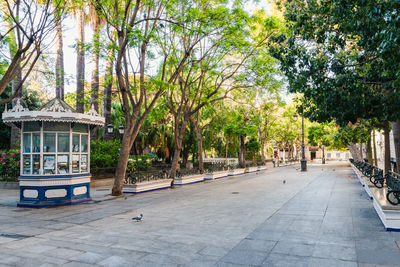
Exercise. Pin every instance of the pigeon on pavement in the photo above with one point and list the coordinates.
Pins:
(138, 218)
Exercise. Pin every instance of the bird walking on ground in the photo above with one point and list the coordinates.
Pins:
(138, 218)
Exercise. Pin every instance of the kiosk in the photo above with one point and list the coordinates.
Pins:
(55, 153)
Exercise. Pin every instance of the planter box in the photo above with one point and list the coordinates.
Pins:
(262, 168)
(252, 169)
(388, 213)
(9, 185)
(215, 175)
(190, 179)
(236, 172)
(147, 186)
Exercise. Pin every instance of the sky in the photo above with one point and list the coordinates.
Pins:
(70, 36)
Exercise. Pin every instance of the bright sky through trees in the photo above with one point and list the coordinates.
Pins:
(70, 36)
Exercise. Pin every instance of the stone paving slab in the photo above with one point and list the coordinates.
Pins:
(321, 217)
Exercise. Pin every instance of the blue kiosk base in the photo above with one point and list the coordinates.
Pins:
(36, 192)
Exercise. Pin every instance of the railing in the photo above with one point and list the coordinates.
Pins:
(233, 166)
(145, 176)
(186, 172)
(250, 164)
(214, 167)
(102, 170)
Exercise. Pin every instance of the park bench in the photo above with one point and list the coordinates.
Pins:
(367, 169)
(393, 184)
(377, 177)
(358, 164)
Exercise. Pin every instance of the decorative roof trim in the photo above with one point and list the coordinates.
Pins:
(92, 111)
(10, 117)
(55, 110)
(18, 107)
(55, 107)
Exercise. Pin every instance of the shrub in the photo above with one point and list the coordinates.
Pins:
(252, 149)
(10, 165)
(104, 154)
(141, 162)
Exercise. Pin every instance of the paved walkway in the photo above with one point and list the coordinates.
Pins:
(318, 218)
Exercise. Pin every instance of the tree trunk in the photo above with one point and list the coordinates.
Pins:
(94, 94)
(108, 82)
(242, 152)
(12, 45)
(262, 151)
(80, 65)
(59, 61)
(177, 150)
(386, 129)
(355, 152)
(396, 140)
(185, 156)
(15, 132)
(375, 157)
(199, 138)
(130, 134)
(122, 165)
(361, 152)
(369, 150)
(226, 153)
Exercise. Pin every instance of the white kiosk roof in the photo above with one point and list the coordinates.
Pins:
(54, 111)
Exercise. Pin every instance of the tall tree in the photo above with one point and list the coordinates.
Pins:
(80, 62)
(30, 30)
(59, 51)
(12, 45)
(216, 67)
(341, 56)
(136, 25)
(108, 83)
(96, 21)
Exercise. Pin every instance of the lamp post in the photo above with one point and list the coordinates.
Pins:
(121, 129)
(303, 160)
(110, 128)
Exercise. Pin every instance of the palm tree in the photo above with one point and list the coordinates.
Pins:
(80, 63)
(59, 60)
(96, 22)
(108, 82)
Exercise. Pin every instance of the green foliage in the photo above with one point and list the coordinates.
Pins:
(340, 56)
(10, 165)
(252, 148)
(358, 133)
(141, 162)
(321, 134)
(104, 154)
(30, 99)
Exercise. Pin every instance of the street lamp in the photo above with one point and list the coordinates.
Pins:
(303, 160)
(121, 129)
(110, 128)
